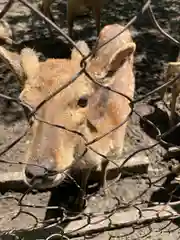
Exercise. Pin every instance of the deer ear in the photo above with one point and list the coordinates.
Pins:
(83, 47)
(24, 66)
(12, 61)
(120, 55)
(29, 62)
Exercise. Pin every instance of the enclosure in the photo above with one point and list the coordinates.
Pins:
(143, 202)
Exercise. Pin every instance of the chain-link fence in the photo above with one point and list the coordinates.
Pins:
(137, 212)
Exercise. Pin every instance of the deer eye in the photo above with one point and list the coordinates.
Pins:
(83, 101)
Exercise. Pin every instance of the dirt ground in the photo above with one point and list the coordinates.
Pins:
(152, 54)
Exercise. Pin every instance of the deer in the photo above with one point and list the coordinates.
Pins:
(85, 106)
(173, 69)
(75, 8)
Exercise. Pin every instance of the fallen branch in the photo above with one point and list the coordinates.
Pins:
(99, 224)
(120, 220)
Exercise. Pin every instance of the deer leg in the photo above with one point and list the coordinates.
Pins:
(45, 9)
(173, 105)
(163, 90)
(70, 27)
(70, 19)
(103, 174)
(97, 13)
(81, 183)
(103, 177)
(72, 12)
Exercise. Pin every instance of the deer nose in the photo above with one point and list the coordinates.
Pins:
(43, 172)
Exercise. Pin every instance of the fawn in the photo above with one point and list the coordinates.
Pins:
(83, 106)
(75, 8)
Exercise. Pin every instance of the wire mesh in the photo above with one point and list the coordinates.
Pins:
(89, 224)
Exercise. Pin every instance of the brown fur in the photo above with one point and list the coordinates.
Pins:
(75, 8)
(58, 149)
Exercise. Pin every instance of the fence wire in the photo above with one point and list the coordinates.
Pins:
(92, 224)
